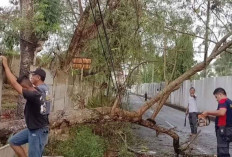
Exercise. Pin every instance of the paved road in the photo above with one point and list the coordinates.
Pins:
(169, 117)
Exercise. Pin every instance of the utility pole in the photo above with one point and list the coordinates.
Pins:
(1, 82)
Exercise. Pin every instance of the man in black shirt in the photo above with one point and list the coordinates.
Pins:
(36, 133)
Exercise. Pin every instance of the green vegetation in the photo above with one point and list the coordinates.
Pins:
(94, 141)
(223, 65)
(82, 142)
(47, 17)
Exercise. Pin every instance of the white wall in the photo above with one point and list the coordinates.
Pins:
(204, 91)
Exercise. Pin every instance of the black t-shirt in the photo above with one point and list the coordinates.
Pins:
(34, 119)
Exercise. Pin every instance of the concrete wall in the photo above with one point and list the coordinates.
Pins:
(67, 92)
(204, 91)
(7, 151)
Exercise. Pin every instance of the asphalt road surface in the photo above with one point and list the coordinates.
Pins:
(169, 118)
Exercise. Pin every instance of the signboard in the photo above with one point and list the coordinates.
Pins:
(81, 63)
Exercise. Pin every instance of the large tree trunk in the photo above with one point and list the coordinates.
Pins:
(28, 43)
(28, 39)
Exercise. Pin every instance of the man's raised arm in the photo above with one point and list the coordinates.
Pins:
(10, 76)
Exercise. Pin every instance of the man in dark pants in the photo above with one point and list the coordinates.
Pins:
(192, 110)
(223, 121)
(36, 133)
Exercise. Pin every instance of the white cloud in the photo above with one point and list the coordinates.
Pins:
(4, 3)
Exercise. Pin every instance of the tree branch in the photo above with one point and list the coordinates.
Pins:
(73, 12)
(190, 34)
(205, 23)
(207, 35)
(130, 73)
(218, 49)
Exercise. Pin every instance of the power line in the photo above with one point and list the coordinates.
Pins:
(107, 43)
(103, 50)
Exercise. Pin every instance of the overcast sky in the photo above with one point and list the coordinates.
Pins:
(4, 3)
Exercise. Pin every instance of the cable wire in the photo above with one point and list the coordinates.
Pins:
(103, 50)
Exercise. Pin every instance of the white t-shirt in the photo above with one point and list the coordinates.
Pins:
(192, 102)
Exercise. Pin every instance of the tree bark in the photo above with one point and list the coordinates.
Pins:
(28, 44)
(28, 41)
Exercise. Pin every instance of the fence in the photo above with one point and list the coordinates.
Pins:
(204, 91)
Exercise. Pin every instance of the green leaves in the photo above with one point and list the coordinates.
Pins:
(223, 65)
(10, 40)
(47, 17)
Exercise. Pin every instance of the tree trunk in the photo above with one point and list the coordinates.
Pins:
(28, 41)
(207, 37)
(28, 45)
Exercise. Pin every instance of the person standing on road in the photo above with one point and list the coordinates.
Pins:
(36, 133)
(223, 122)
(192, 111)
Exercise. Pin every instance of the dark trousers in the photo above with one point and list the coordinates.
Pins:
(193, 122)
(222, 145)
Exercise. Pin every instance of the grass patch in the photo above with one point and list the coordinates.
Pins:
(94, 140)
(82, 142)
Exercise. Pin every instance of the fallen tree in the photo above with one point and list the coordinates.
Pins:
(73, 117)
(63, 119)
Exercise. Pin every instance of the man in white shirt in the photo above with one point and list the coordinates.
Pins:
(192, 111)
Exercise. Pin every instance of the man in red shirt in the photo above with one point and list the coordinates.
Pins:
(223, 121)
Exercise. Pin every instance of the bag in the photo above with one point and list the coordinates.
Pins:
(45, 102)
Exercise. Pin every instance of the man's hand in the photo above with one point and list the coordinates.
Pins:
(4, 61)
(205, 114)
(187, 111)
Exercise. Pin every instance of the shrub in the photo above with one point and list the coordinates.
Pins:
(82, 143)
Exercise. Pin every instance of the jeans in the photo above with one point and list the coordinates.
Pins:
(36, 139)
(193, 122)
(222, 145)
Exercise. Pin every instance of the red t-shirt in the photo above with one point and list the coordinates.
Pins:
(221, 120)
